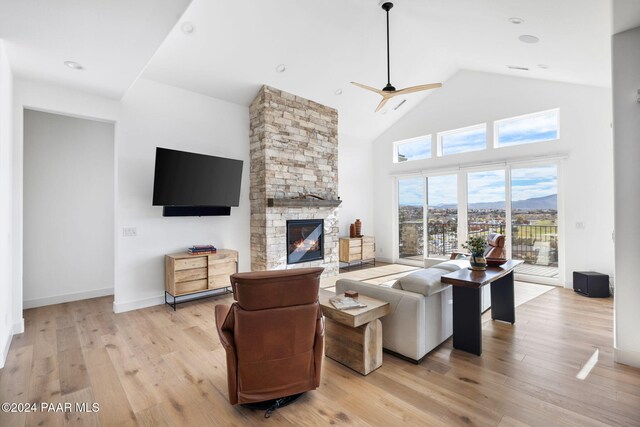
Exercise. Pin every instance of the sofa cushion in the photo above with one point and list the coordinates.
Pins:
(425, 281)
(395, 284)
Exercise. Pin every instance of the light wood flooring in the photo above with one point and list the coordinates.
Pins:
(156, 367)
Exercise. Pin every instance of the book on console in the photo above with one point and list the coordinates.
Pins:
(345, 303)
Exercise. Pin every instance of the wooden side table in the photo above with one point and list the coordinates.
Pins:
(354, 337)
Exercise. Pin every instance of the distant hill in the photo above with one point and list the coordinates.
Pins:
(546, 202)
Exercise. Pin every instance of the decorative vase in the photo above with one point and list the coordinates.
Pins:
(478, 262)
(352, 231)
(358, 225)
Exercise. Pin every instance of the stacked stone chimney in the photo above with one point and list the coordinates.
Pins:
(294, 151)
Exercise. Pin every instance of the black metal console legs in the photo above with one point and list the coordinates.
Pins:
(467, 312)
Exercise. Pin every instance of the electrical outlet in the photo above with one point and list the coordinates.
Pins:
(580, 225)
(129, 231)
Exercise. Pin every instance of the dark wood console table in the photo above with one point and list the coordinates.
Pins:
(467, 302)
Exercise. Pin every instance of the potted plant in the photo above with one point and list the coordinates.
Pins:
(476, 246)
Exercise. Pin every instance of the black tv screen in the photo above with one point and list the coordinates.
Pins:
(188, 179)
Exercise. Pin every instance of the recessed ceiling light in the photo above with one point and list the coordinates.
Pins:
(281, 68)
(73, 65)
(188, 27)
(516, 20)
(528, 39)
(338, 92)
(543, 66)
(517, 67)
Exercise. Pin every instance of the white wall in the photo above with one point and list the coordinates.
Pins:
(157, 115)
(68, 208)
(626, 112)
(6, 204)
(355, 183)
(471, 98)
(55, 99)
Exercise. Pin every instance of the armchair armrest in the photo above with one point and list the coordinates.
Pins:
(224, 325)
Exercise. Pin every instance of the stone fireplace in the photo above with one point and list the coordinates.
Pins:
(294, 177)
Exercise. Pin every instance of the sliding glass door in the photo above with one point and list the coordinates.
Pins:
(411, 218)
(442, 216)
(520, 202)
(486, 203)
(534, 220)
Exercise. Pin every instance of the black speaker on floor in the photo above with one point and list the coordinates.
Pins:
(591, 284)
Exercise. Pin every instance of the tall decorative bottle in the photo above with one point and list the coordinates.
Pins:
(358, 228)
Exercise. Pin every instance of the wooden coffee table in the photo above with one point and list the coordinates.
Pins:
(354, 337)
(467, 302)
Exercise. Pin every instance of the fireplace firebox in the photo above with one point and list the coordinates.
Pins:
(305, 240)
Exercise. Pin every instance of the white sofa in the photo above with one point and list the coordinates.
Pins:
(421, 316)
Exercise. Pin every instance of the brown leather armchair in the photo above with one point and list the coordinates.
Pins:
(273, 334)
(494, 248)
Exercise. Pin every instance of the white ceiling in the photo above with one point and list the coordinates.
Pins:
(237, 45)
(112, 39)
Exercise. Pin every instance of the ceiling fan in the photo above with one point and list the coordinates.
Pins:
(389, 91)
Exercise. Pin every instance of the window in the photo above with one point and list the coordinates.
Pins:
(536, 127)
(486, 203)
(410, 217)
(534, 219)
(463, 140)
(412, 149)
(442, 216)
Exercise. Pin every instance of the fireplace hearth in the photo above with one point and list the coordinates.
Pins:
(305, 240)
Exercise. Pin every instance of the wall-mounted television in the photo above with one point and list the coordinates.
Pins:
(191, 184)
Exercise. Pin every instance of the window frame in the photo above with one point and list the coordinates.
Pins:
(496, 124)
(428, 138)
(460, 130)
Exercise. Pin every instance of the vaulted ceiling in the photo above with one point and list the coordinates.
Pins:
(236, 46)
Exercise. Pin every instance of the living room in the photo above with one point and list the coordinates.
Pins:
(83, 265)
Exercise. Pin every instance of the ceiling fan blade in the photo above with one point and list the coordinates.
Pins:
(372, 89)
(418, 88)
(384, 101)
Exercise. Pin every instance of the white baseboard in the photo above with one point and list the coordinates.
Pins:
(5, 350)
(18, 327)
(387, 260)
(121, 307)
(58, 299)
(631, 358)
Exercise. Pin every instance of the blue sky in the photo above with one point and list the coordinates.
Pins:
(461, 142)
(414, 149)
(489, 186)
(524, 130)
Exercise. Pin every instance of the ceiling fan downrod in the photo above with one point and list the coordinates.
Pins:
(388, 88)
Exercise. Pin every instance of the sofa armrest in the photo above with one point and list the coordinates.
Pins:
(403, 329)
(454, 255)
